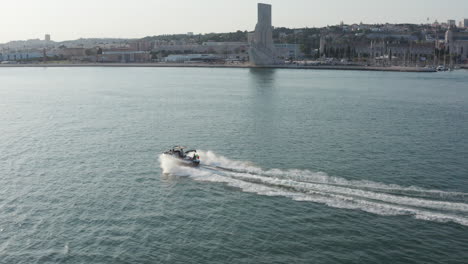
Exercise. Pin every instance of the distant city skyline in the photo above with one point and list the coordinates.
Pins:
(66, 20)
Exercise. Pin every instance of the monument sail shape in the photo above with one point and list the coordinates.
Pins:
(262, 51)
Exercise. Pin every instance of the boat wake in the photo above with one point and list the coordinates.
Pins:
(318, 187)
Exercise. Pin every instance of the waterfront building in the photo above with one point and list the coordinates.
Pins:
(26, 55)
(225, 49)
(289, 51)
(186, 58)
(465, 24)
(456, 43)
(70, 53)
(177, 48)
(141, 45)
(125, 56)
(395, 50)
(47, 37)
(262, 51)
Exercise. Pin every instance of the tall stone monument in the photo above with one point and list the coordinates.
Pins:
(262, 51)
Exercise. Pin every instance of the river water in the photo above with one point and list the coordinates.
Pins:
(319, 166)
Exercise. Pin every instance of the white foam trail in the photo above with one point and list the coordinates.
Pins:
(321, 178)
(345, 202)
(304, 185)
(352, 192)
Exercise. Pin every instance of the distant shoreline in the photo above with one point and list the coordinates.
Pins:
(240, 66)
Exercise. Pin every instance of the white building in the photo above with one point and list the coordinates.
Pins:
(457, 44)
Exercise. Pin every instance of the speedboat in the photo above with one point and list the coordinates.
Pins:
(187, 158)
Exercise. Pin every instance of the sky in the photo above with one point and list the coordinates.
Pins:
(72, 19)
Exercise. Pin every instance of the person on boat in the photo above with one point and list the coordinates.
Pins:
(181, 153)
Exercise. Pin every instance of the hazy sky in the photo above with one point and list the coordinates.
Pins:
(71, 19)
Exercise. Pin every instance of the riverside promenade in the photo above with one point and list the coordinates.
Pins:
(209, 65)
